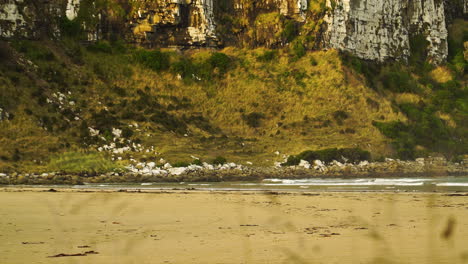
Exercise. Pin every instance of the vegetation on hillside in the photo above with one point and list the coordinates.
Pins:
(133, 104)
(434, 99)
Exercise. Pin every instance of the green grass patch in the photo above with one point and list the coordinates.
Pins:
(155, 60)
(78, 162)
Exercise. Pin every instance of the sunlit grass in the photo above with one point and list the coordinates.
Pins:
(81, 162)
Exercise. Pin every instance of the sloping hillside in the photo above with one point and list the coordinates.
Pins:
(243, 104)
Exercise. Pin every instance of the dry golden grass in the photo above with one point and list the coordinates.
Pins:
(295, 111)
(298, 99)
(441, 74)
(404, 98)
(22, 139)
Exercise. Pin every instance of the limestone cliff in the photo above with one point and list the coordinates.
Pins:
(381, 29)
(172, 22)
(371, 29)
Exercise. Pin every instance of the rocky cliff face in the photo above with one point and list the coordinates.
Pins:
(27, 18)
(370, 29)
(382, 29)
(173, 22)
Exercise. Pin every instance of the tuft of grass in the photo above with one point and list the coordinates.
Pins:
(78, 162)
(254, 119)
(219, 160)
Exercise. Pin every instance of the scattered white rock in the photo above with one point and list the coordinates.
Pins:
(177, 171)
(117, 132)
(319, 165)
(305, 164)
(363, 163)
(208, 166)
(337, 163)
(93, 132)
(194, 167)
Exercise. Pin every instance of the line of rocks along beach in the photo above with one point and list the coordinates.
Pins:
(149, 172)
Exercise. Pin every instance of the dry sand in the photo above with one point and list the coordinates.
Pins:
(204, 227)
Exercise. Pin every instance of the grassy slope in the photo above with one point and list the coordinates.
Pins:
(312, 102)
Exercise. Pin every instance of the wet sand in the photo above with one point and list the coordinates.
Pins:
(231, 227)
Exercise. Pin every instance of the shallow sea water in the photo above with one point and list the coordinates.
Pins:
(429, 184)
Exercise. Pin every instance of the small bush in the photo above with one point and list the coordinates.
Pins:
(70, 28)
(202, 123)
(197, 162)
(289, 31)
(220, 61)
(219, 160)
(372, 103)
(127, 132)
(104, 120)
(267, 56)
(169, 122)
(119, 91)
(101, 46)
(328, 155)
(340, 116)
(398, 80)
(180, 164)
(33, 50)
(297, 49)
(184, 67)
(154, 60)
(254, 119)
(77, 162)
(313, 61)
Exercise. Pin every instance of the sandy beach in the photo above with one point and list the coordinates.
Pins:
(106, 226)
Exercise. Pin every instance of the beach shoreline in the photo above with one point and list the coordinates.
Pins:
(241, 175)
(41, 225)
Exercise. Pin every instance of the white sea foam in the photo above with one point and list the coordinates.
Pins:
(346, 182)
(453, 184)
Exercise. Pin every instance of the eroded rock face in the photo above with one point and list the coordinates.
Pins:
(30, 18)
(370, 29)
(382, 29)
(173, 22)
(12, 21)
(73, 6)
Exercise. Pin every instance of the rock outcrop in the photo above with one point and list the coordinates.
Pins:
(173, 22)
(370, 29)
(383, 29)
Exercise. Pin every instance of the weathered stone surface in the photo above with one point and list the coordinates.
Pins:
(370, 29)
(173, 22)
(12, 20)
(381, 29)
